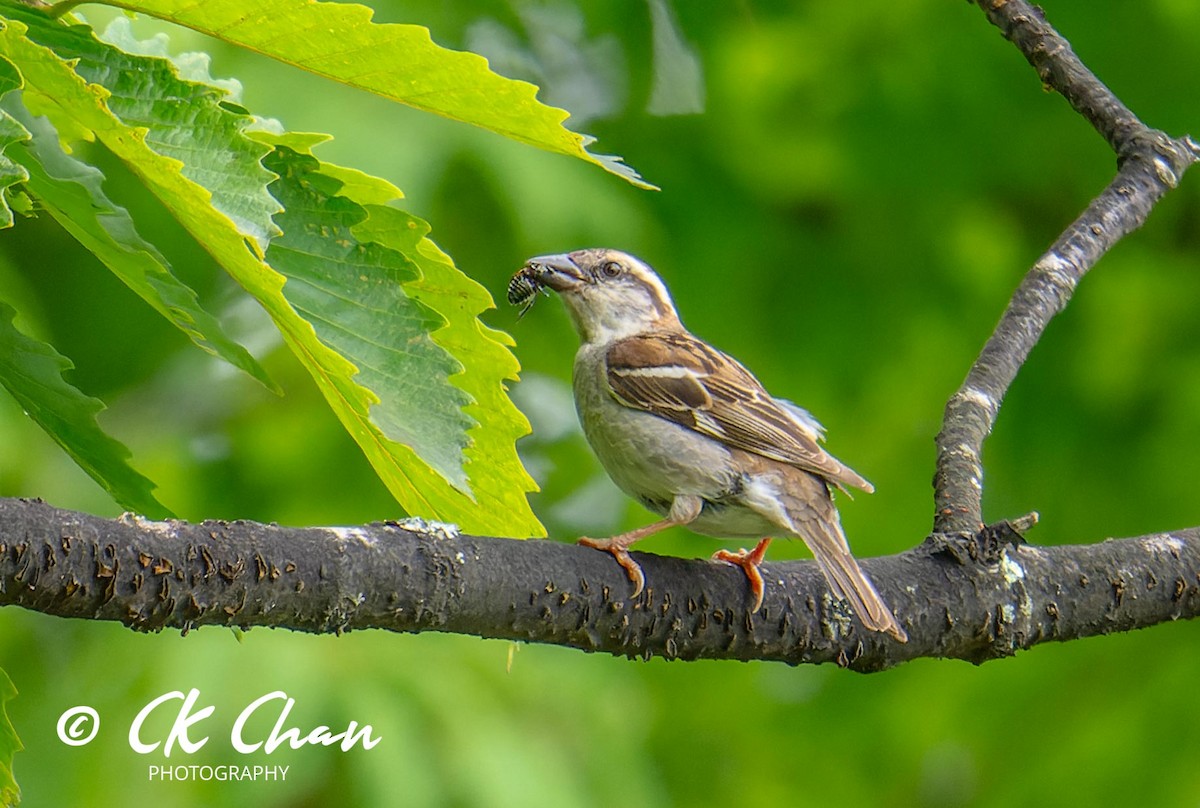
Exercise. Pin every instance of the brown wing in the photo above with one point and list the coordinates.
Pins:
(678, 377)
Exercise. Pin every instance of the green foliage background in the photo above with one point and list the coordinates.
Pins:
(865, 186)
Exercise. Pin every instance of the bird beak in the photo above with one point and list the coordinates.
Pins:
(558, 272)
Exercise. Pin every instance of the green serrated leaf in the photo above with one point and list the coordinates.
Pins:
(183, 120)
(32, 372)
(415, 485)
(72, 192)
(487, 361)
(399, 62)
(10, 132)
(351, 291)
(498, 480)
(10, 744)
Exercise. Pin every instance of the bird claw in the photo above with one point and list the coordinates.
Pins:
(618, 551)
(749, 561)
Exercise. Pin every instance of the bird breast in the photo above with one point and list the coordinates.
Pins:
(654, 460)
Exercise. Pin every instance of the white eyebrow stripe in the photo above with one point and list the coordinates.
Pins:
(658, 289)
(649, 278)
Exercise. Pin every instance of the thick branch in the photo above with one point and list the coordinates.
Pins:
(973, 599)
(1151, 163)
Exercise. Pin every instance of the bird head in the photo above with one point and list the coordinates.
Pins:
(609, 294)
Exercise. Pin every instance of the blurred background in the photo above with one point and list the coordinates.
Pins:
(850, 192)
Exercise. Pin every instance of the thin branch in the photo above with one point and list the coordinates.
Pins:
(1061, 70)
(1150, 164)
(973, 599)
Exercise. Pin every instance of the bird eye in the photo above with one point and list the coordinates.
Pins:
(611, 269)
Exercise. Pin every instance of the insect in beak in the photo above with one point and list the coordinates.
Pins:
(524, 286)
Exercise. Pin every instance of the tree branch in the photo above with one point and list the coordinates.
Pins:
(1061, 70)
(967, 592)
(1150, 164)
(974, 599)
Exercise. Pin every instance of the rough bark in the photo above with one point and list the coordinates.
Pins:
(975, 599)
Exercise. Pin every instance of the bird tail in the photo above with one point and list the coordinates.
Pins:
(846, 578)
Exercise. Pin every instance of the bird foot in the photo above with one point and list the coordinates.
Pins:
(749, 561)
(617, 546)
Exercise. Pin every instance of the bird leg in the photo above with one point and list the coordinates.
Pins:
(684, 509)
(618, 545)
(748, 560)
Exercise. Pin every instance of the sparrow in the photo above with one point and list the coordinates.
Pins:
(691, 434)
